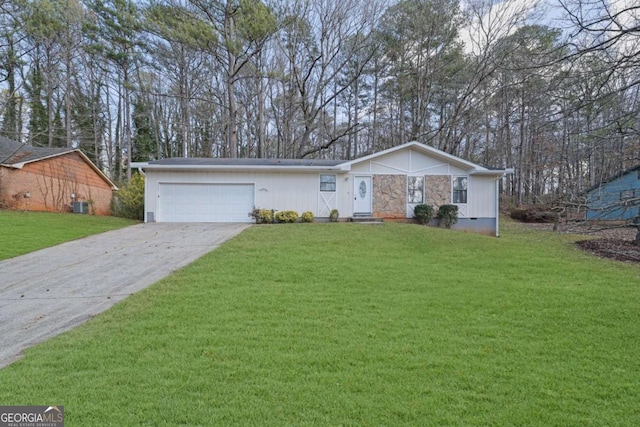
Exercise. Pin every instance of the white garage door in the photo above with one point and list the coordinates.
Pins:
(205, 202)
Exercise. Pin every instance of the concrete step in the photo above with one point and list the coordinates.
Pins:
(366, 219)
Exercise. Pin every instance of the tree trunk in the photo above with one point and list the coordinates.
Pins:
(233, 126)
(49, 99)
(118, 141)
(184, 104)
(230, 33)
(127, 120)
(261, 118)
(374, 126)
(521, 153)
(356, 118)
(10, 122)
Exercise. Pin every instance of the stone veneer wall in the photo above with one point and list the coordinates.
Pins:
(390, 196)
(438, 190)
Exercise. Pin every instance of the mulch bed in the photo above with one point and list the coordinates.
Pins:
(621, 250)
(613, 242)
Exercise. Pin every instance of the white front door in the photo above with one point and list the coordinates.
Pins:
(362, 195)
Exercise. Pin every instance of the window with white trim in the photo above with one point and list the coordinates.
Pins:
(415, 189)
(327, 183)
(460, 184)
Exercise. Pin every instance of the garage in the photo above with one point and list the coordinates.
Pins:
(181, 202)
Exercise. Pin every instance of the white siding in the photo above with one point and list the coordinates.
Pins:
(275, 190)
(390, 164)
(406, 162)
(421, 164)
(327, 201)
(482, 197)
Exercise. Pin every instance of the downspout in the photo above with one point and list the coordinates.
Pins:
(507, 171)
(498, 206)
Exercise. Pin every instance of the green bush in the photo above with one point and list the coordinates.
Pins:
(287, 216)
(307, 216)
(128, 201)
(333, 215)
(448, 215)
(423, 213)
(262, 216)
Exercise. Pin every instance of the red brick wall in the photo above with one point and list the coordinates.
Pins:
(50, 183)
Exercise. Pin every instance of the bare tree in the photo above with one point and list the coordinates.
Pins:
(321, 38)
(238, 30)
(605, 51)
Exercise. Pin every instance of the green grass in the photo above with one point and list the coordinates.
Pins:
(343, 324)
(25, 232)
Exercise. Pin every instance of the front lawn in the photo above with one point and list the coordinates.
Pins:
(347, 324)
(25, 232)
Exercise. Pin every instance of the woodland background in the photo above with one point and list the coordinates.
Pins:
(550, 89)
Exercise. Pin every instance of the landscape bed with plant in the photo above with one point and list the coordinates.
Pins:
(271, 216)
(344, 324)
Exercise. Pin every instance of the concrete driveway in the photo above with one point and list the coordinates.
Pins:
(47, 292)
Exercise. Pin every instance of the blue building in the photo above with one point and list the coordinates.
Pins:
(617, 199)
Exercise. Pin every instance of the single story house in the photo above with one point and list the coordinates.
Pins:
(387, 184)
(617, 199)
(51, 179)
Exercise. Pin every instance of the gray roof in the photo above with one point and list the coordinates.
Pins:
(309, 164)
(201, 161)
(12, 152)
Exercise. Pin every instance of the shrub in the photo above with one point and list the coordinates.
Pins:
(307, 216)
(448, 215)
(423, 213)
(287, 216)
(262, 216)
(128, 202)
(333, 215)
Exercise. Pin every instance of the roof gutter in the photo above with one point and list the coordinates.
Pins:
(14, 165)
(233, 168)
(494, 172)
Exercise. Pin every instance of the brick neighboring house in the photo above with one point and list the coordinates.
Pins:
(51, 179)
